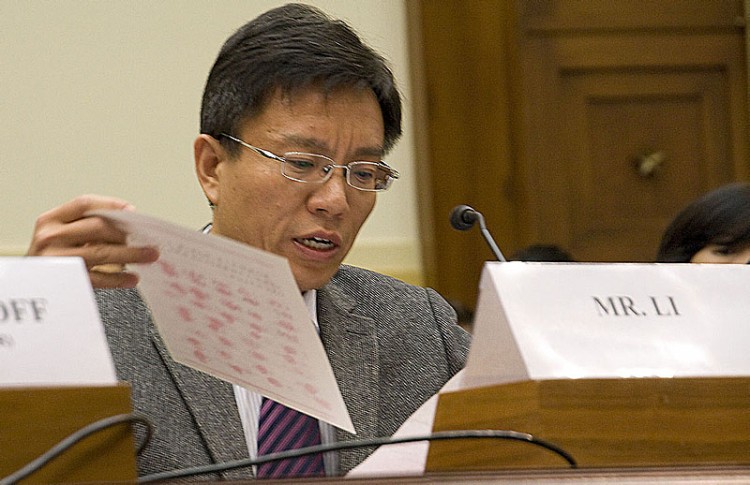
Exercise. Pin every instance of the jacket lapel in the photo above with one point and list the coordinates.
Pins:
(213, 407)
(350, 342)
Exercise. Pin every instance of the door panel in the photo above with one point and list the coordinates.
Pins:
(586, 89)
(643, 143)
(596, 106)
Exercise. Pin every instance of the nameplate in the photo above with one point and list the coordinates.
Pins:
(50, 331)
(578, 320)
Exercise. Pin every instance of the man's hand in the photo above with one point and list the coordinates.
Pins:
(66, 231)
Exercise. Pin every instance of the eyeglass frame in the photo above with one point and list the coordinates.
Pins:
(391, 174)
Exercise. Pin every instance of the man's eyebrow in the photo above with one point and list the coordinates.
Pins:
(369, 152)
(318, 146)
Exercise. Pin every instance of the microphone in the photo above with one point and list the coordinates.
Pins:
(464, 217)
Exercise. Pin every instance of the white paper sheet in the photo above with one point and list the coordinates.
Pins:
(50, 331)
(234, 312)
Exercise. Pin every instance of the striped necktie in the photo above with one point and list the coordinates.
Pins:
(281, 429)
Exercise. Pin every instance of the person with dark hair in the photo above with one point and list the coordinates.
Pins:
(542, 253)
(714, 228)
(296, 117)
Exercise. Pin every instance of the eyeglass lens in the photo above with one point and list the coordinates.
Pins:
(311, 168)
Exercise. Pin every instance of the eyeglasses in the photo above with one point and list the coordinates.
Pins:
(316, 169)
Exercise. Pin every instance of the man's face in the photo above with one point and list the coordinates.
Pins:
(312, 225)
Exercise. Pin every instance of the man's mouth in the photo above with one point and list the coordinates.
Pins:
(316, 243)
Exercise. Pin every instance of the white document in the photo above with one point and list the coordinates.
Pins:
(235, 312)
(578, 320)
(50, 331)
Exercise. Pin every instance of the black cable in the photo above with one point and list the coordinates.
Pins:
(363, 443)
(67, 442)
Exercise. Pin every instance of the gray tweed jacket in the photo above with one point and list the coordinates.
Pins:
(391, 346)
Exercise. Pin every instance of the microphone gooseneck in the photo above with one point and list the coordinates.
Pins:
(464, 217)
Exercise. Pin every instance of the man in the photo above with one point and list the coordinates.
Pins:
(297, 114)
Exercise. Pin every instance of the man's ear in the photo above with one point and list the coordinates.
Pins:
(208, 154)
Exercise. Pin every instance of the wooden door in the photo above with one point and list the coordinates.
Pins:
(625, 123)
(586, 124)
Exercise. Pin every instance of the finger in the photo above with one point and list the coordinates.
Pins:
(104, 254)
(67, 225)
(74, 234)
(76, 208)
(108, 279)
(112, 276)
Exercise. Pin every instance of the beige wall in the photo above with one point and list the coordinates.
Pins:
(103, 97)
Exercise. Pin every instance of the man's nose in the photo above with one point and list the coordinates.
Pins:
(331, 196)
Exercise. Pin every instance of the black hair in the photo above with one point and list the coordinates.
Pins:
(293, 47)
(542, 253)
(721, 216)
